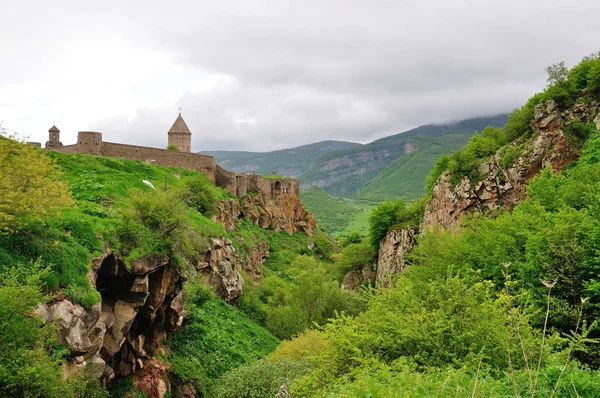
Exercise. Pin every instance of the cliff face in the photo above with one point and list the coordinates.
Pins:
(502, 186)
(391, 256)
(140, 306)
(282, 213)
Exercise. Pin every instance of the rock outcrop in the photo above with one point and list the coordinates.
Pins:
(140, 306)
(219, 269)
(357, 277)
(391, 256)
(228, 213)
(282, 213)
(504, 185)
(221, 264)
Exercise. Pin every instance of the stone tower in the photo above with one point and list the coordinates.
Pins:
(53, 138)
(180, 135)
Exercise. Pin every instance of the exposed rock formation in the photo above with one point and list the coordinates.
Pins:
(354, 278)
(218, 269)
(221, 264)
(282, 213)
(392, 250)
(505, 186)
(257, 257)
(153, 380)
(228, 212)
(139, 307)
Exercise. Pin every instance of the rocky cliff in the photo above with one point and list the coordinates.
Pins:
(282, 213)
(391, 256)
(503, 185)
(141, 304)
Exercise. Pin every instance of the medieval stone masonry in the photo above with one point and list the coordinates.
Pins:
(178, 155)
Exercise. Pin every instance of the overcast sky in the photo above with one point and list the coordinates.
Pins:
(263, 75)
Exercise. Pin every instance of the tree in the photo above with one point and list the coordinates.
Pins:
(382, 218)
(557, 74)
(29, 184)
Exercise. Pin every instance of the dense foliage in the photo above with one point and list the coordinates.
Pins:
(29, 185)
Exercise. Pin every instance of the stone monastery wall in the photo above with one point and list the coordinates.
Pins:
(90, 142)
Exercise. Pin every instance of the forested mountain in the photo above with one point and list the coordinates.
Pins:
(288, 162)
(344, 172)
(405, 177)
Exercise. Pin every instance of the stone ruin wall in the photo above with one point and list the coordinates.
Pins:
(89, 142)
(241, 184)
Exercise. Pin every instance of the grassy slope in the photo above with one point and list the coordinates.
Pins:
(217, 337)
(405, 177)
(290, 162)
(336, 215)
(344, 172)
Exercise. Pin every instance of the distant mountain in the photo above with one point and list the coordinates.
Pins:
(288, 162)
(344, 172)
(405, 176)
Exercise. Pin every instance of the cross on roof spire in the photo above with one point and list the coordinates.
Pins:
(180, 110)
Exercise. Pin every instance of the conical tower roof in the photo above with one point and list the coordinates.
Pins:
(55, 129)
(179, 127)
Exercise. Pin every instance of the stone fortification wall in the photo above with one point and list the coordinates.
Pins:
(90, 142)
(192, 161)
(241, 184)
(68, 149)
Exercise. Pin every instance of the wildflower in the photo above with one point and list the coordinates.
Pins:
(549, 284)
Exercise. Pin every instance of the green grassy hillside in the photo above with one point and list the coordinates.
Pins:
(344, 172)
(404, 178)
(336, 215)
(288, 162)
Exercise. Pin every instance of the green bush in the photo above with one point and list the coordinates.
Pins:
(160, 222)
(357, 255)
(351, 238)
(258, 380)
(29, 365)
(196, 291)
(199, 195)
(382, 218)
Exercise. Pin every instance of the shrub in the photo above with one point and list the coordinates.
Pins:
(258, 380)
(29, 185)
(351, 238)
(199, 195)
(382, 218)
(305, 345)
(159, 222)
(196, 291)
(29, 367)
(356, 256)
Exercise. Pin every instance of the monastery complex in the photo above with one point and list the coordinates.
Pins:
(178, 155)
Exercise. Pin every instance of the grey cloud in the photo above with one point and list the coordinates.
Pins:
(294, 72)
